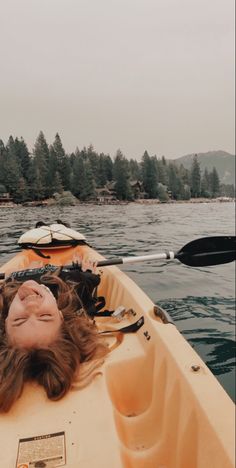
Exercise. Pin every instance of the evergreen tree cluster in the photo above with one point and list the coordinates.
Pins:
(49, 170)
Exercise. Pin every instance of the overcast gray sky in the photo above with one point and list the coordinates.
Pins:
(128, 74)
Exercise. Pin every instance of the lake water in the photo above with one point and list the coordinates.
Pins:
(201, 301)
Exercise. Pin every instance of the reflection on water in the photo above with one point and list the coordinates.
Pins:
(213, 333)
(199, 300)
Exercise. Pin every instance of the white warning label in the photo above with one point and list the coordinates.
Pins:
(44, 451)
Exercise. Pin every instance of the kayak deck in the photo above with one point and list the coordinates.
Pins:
(155, 403)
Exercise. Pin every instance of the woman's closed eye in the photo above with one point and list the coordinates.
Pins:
(42, 318)
(45, 317)
(18, 321)
(25, 317)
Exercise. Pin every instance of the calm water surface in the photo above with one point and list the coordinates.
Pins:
(200, 300)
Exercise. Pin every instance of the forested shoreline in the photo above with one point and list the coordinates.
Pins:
(90, 176)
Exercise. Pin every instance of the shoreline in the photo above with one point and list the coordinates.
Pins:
(48, 204)
(191, 200)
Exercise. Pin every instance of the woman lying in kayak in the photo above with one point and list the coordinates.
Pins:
(44, 339)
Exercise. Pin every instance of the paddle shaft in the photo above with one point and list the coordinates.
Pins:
(27, 274)
(206, 251)
(197, 259)
(142, 258)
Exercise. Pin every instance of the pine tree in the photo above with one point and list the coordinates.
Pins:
(184, 175)
(205, 184)
(214, 183)
(2, 147)
(135, 170)
(3, 156)
(40, 167)
(21, 193)
(2, 189)
(23, 157)
(186, 192)
(195, 178)
(108, 166)
(121, 177)
(93, 159)
(52, 172)
(63, 163)
(57, 183)
(87, 183)
(163, 160)
(149, 174)
(227, 190)
(78, 175)
(101, 177)
(162, 171)
(12, 171)
(174, 185)
(66, 173)
(37, 184)
(104, 170)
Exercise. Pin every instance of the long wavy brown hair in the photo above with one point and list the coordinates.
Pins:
(71, 358)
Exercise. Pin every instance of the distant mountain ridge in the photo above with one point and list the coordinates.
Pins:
(223, 162)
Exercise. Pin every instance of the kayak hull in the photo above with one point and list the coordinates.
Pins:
(154, 404)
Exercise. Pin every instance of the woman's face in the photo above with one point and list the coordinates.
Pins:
(34, 319)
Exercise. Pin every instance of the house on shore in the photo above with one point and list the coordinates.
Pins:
(5, 199)
(105, 196)
(137, 189)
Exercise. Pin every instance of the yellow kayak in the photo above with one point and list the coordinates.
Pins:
(154, 403)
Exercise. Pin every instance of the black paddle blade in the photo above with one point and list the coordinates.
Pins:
(208, 251)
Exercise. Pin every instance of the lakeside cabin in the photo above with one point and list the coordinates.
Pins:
(5, 199)
(105, 196)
